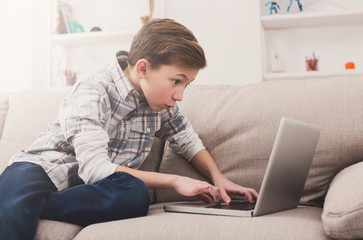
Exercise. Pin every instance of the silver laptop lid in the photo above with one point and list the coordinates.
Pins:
(288, 166)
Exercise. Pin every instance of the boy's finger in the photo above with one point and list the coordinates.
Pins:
(215, 193)
(225, 196)
(254, 193)
(204, 198)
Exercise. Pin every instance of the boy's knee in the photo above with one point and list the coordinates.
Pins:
(144, 198)
(140, 196)
(136, 198)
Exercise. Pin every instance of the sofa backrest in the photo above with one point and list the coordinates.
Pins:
(29, 114)
(238, 125)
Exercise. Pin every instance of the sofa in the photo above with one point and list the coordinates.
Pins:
(238, 125)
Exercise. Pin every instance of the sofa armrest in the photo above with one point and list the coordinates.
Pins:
(343, 208)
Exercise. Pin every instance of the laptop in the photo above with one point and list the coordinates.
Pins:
(284, 179)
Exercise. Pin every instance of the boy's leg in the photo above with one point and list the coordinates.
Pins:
(115, 197)
(24, 188)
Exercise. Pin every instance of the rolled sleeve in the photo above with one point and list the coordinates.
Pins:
(186, 143)
(83, 120)
(92, 155)
(178, 131)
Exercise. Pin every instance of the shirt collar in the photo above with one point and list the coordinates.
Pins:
(123, 85)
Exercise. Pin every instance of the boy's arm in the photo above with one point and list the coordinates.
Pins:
(205, 164)
(182, 185)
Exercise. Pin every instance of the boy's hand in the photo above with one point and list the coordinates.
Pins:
(191, 187)
(204, 162)
(226, 187)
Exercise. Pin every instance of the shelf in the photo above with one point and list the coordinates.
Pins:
(307, 75)
(91, 38)
(295, 20)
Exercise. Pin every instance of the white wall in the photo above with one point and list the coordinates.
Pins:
(229, 31)
(15, 44)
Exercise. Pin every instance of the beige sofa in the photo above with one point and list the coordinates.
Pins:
(238, 126)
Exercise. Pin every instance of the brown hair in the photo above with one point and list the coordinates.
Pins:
(166, 42)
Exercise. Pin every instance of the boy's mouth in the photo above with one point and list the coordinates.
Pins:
(167, 107)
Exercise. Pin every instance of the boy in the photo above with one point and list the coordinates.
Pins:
(84, 169)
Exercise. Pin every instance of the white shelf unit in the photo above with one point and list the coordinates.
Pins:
(84, 52)
(91, 38)
(296, 20)
(341, 27)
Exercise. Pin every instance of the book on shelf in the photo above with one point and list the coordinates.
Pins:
(66, 22)
(64, 26)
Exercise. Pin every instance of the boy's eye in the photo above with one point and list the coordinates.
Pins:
(176, 81)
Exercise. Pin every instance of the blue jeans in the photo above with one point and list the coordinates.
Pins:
(27, 194)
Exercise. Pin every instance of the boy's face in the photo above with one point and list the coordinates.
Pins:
(164, 86)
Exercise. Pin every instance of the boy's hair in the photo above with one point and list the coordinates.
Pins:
(166, 42)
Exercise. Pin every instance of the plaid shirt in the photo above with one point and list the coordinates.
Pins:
(104, 123)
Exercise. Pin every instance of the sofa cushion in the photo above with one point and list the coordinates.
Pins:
(343, 207)
(238, 125)
(4, 105)
(301, 223)
(152, 161)
(56, 230)
(29, 114)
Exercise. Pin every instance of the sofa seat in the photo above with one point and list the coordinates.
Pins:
(291, 224)
(55, 230)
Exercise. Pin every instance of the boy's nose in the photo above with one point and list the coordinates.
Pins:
(178, 95)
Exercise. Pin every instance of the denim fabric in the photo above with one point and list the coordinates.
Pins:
(24, 189)
(117, 196)
(27, 194)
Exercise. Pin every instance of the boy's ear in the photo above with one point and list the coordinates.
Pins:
(141, 67)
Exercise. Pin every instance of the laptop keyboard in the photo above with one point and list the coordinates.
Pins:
(235, 206)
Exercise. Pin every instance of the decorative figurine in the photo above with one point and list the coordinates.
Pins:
(273, 6)
(298, 3)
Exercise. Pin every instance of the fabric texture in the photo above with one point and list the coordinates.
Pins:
(303, 223)
(29, 114)
(105, 123)
(238, 126)
(24, 189)
(118, 196)
(54, 230)
(343, 208)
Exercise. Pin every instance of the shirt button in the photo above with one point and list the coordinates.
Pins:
(148, 130)
(123, 129)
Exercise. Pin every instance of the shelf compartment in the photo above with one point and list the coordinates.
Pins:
(91, 38)
(295, 20)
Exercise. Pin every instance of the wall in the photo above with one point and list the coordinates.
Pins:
(15, 44)
(229, 31)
